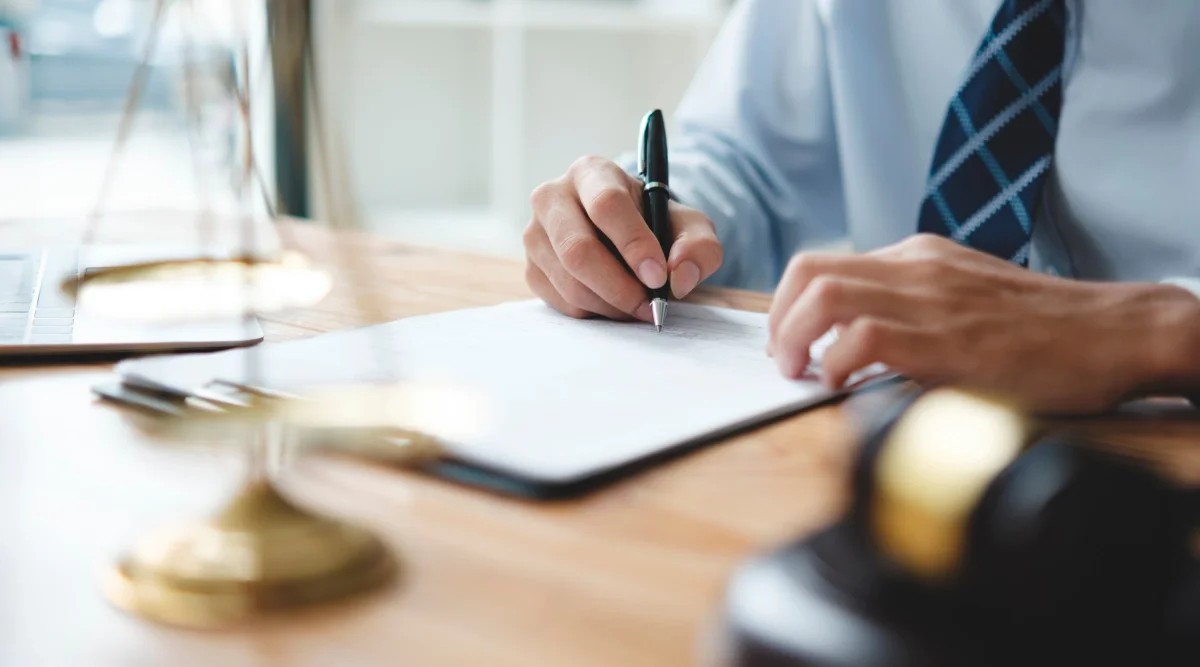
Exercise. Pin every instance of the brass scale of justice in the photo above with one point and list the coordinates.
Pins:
(261, 554)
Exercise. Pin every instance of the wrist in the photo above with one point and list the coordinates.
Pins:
(1172, 340)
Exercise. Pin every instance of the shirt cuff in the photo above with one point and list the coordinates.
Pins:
(1190, 284)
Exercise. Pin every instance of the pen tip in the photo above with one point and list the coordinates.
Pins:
(658, 309)
(658, 328)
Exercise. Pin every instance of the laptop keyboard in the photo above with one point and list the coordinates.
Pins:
(33, 309)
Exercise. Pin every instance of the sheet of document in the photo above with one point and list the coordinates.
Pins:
(563, 399)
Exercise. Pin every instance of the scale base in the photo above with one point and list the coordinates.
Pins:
(259, 556)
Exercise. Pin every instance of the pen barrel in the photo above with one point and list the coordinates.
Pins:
(656, 211)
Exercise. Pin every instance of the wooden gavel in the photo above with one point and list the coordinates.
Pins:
(976, 539)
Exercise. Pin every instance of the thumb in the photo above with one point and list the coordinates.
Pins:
(696, 252)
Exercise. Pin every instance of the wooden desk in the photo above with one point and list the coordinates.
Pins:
(627, 576)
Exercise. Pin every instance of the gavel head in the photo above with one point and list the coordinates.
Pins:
(973, 539)
(963, 503)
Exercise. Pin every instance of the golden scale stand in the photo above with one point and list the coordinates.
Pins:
(261, 553)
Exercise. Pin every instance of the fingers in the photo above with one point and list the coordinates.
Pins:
(827, 302)
(579, 250)
(696, 252)
(871, 340)
(570, 296)
(546, 291)
(595, 209)
(614, 208)
(902, 306)
(806, 267)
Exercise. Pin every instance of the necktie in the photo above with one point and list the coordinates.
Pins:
(997, 141)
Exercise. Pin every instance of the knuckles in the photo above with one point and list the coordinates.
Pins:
(532, 234)
(704, 239)
(587, 163)
(825, 292)
(609, 203)
(577, 251)
(799, 266)
(929, 244)
(804, 268)
(545, 194)
(695, 237)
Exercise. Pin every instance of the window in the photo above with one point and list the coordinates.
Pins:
(65, 74)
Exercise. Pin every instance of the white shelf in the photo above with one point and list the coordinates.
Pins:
(454, 104)
(595, 15)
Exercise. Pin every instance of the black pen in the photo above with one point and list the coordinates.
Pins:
(656, 194)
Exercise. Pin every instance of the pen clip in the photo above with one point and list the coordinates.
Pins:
(643, 147)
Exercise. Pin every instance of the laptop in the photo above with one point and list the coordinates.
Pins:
(36, 319)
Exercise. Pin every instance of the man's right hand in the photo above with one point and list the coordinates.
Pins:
(568, 265)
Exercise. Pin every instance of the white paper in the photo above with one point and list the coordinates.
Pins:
(565, 398)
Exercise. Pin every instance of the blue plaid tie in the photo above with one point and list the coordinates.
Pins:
(998, 138)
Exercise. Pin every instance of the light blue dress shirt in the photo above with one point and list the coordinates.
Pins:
(815, 120)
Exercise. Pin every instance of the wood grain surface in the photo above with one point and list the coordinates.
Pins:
(629, 575)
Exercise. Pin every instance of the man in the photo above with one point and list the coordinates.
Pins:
(1062, 135)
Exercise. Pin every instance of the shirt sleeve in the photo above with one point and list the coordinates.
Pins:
(755, 147)
(1190, 284)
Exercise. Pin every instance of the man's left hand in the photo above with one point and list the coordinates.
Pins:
(940, 313)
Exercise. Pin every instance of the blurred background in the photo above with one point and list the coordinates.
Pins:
(445, 113)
